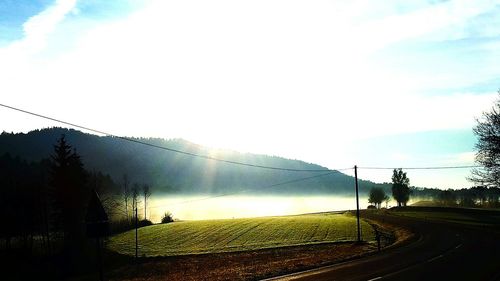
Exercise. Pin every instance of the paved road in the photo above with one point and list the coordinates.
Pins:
(442, 251)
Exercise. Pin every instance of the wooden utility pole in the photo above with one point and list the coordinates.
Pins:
(357, 201)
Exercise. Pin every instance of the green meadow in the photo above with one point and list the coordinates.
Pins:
(228, 235)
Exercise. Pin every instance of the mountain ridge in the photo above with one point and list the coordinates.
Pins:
(168, 171)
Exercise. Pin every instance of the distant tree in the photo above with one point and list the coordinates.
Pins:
(135, 202)
(447, 197)
(135, 191)
(466, 197)
(68, 180)
(488, 148)
(400, 189)
(146, 192)
(493, 197)
(480, 194)
(126, 194)
(377, 195)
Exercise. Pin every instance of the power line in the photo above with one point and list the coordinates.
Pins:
(167, 148)
(421, 168)
(225, 160)
(253, 189)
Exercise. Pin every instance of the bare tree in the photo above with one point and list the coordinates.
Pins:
(135, 199)
(488, 146)
(135, 191)
(146, 192)
(126, 194)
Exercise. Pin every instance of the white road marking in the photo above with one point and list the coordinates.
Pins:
(458, 246)
(435, 258)
(376, 278)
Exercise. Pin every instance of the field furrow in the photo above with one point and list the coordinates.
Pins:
(212, 236)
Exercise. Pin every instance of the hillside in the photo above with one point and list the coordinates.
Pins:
(173, 172)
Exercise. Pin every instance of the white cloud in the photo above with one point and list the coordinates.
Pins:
(462, 158)
(443, 21)
(261, 76)
(37, 28)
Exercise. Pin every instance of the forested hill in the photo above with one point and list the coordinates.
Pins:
(173, 172)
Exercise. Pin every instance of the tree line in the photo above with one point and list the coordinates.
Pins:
(473, 197)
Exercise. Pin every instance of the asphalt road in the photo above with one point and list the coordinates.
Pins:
(441, 251)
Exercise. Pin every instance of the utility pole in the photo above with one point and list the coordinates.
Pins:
(357, 201)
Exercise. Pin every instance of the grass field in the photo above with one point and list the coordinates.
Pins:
(213, 236)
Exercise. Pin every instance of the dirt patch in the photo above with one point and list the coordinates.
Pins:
(251, 265)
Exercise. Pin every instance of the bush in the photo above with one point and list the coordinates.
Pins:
(167, 217)
(145, 222)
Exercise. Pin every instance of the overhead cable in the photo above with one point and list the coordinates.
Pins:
(167, 148)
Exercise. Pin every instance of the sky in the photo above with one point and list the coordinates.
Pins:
(337, 83)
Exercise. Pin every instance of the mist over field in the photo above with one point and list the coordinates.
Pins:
(240, 206)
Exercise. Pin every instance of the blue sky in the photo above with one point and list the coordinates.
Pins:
(14, 14)
(338, 83)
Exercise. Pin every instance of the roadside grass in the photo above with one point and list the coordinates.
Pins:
(231, 235)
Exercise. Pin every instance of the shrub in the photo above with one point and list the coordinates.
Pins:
(167, 217)
(145, 222)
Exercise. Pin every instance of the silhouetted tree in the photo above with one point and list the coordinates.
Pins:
(466, 197)
(23, 203)
(448, 197)
(480, 194)
(488, 146)
(18, 200)
(146, 192)
(126, 194)
(400, 189)
(493, 196)
(135, 191)
(377, 195)
(70, 194)
(135, 199)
